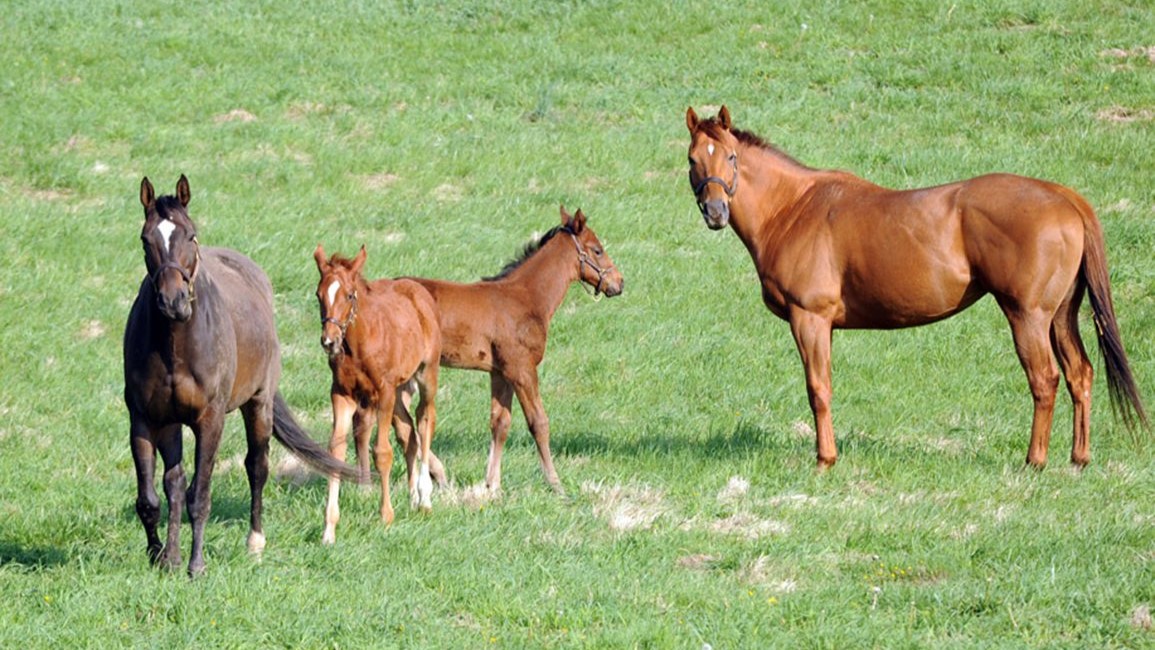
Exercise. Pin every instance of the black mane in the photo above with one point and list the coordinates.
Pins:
(530, 249)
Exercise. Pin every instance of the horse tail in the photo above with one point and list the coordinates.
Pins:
(297, 440)
(1125, 400)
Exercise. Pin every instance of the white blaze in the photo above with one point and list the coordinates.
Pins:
(333, 289)
(166, 229)
(710, 148)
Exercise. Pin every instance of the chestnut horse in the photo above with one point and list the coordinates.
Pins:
(200, 342)
(380, 336)
(835, 251)
(500, 325)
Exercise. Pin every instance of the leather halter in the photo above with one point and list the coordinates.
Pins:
(349, 318)
(585, 259)
(730, 188)
(189, 277)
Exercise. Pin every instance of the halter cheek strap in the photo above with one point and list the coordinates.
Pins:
(189, 278)
(584, 259)
(344, 325)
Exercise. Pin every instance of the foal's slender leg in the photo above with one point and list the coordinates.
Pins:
(384, 451)
(529, 397)
(405, 401)
(407, 436)
(1032, 343)
(1068, 347)
(500, 400)
(258, 415)
(812, 334)
(426, 426)
(343, 409)
(207, 432)
(170, 446)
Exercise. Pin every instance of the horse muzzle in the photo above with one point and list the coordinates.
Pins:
(176, 307)
(613, 284)
(716, 213)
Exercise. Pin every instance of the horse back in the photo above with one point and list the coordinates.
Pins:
(479, 320)
(397, 330)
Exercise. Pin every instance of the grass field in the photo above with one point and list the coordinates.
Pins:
(443, 135)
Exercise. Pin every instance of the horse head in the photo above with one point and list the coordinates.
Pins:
(171, 249)
(595, 267)
(713, 159)
(337, 295)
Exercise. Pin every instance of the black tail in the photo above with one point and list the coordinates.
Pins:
(1125, 399)
(297, 440)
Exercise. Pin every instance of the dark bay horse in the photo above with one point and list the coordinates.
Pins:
(381, 337)
(200, 342)
(835, 251)
(500, 325)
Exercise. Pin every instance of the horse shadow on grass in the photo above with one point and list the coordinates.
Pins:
(744, 440)
(33, 556)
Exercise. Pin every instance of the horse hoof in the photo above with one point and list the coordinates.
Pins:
(824, 464)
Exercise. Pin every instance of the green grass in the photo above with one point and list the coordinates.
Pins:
(443, 135)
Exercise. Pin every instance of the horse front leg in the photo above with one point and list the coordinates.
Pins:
(812, 334)
(528, 394)
(343, 409)
(169, 445)
(384, 452)
(207, 432)
(258, 415)
(147, 501)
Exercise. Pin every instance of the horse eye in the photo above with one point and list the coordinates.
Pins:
(598, 250)
(733, 156)
(692, 161)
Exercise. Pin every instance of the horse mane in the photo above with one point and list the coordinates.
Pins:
(714, 129)
(530, 248)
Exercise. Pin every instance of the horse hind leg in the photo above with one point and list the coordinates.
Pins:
(436, 467)
(1078, 372)
(500, 419)
(1030, 330)
(258, 416)
(426, 427)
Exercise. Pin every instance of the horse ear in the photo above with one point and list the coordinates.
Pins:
(319, 257)
(691, 119)
(579, 222)
(359, 261)
(724, 117)
(147, 194)
(182, 192)
(566, 218)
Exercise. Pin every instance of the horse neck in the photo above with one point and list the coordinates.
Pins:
(548, 272)
(771, 185)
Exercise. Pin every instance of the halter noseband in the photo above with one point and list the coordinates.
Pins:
(585, 259)
(189, 278)
(344, 326)
(730, 188)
